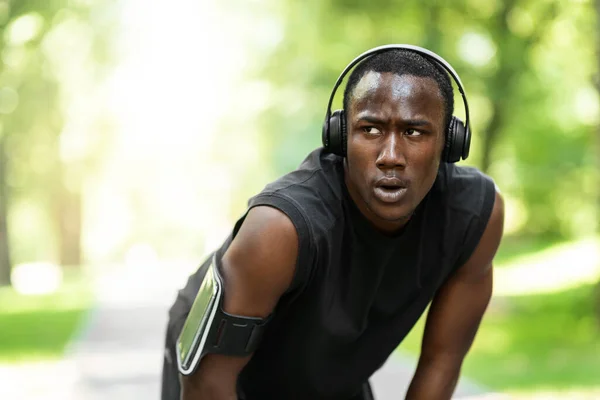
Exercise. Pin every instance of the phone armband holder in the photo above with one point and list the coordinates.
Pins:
(209, 329)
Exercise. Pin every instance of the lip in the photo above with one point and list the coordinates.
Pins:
(390, 189)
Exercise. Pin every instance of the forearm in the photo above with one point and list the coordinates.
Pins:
(209, 392)
(434, 380)
(216, 379)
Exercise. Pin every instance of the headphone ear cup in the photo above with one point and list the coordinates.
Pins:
(344, 133)
(448, 142)
(334, 139)
(455, 142)
(325, 135)
(467, 144)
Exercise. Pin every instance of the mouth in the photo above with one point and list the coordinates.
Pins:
(390, 190)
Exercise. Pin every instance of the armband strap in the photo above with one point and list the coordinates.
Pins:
(234, 335)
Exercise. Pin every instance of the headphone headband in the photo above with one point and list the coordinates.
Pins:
(419, 50)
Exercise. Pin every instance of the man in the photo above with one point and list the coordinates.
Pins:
(346, 252)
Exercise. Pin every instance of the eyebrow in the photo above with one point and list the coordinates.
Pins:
(371, 119)
(417, 122)
(409, 122)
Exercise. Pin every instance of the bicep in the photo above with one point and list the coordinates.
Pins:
(459, 305)
(257, 269)
(260, 263)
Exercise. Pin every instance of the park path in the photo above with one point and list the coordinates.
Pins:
(118, 354)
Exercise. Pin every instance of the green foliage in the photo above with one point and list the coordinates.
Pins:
(515, 246)
(552, 342)
(40, 327)
(537, 341)
(527, 67)
(32, 113)
(29, 337)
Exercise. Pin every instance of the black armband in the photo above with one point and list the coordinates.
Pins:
(209, 329)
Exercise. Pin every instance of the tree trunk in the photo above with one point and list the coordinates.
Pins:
(67, 211)
(500, 82)
(69, 225)
(5, 264)
(489, 136)
(512, 54)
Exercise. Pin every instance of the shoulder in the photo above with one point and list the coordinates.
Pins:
(287, 220)
(467, 189)
(469, 198)
(312, 192)
(480, 260)
(317, 171)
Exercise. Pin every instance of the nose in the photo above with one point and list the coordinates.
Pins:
(391, 154)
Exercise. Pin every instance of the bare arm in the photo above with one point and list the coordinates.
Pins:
(257, 268)
(454, 316)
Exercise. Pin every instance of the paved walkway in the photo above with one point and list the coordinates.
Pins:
(119, 351)
(119, 354)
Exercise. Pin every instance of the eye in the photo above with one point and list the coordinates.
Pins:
(371, 130)
(413, 132)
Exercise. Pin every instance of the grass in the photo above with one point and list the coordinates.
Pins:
(516, 246)
(548, 341)
(39, 327)
(533, 342)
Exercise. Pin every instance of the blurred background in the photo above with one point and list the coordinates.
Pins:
(132, 133)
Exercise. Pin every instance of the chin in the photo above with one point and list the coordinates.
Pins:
(393, 213)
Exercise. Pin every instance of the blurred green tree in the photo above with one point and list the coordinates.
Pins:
(5, 262)
(33, 171)
(26, 91)
(521, 70)
(597, 85)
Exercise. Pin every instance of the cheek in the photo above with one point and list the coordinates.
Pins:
(438, 149)
(433, 168)
(441, 146)
(429, 152)
(357, 154)
(359, 160)
(429, 163)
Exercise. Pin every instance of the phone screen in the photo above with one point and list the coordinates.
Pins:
(190, 338)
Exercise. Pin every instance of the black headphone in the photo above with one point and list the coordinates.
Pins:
(458, 136)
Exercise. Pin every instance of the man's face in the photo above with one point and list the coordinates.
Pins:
(395, 140)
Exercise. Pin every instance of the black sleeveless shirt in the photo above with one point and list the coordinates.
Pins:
(356, 292)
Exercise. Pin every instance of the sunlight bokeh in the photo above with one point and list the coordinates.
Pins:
(36, 278)
(166, 178)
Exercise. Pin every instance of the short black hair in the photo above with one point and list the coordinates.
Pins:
(404, 62)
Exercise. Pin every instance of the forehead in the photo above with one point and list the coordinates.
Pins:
(381, 88)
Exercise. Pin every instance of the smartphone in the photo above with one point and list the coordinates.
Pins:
(196, 329)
